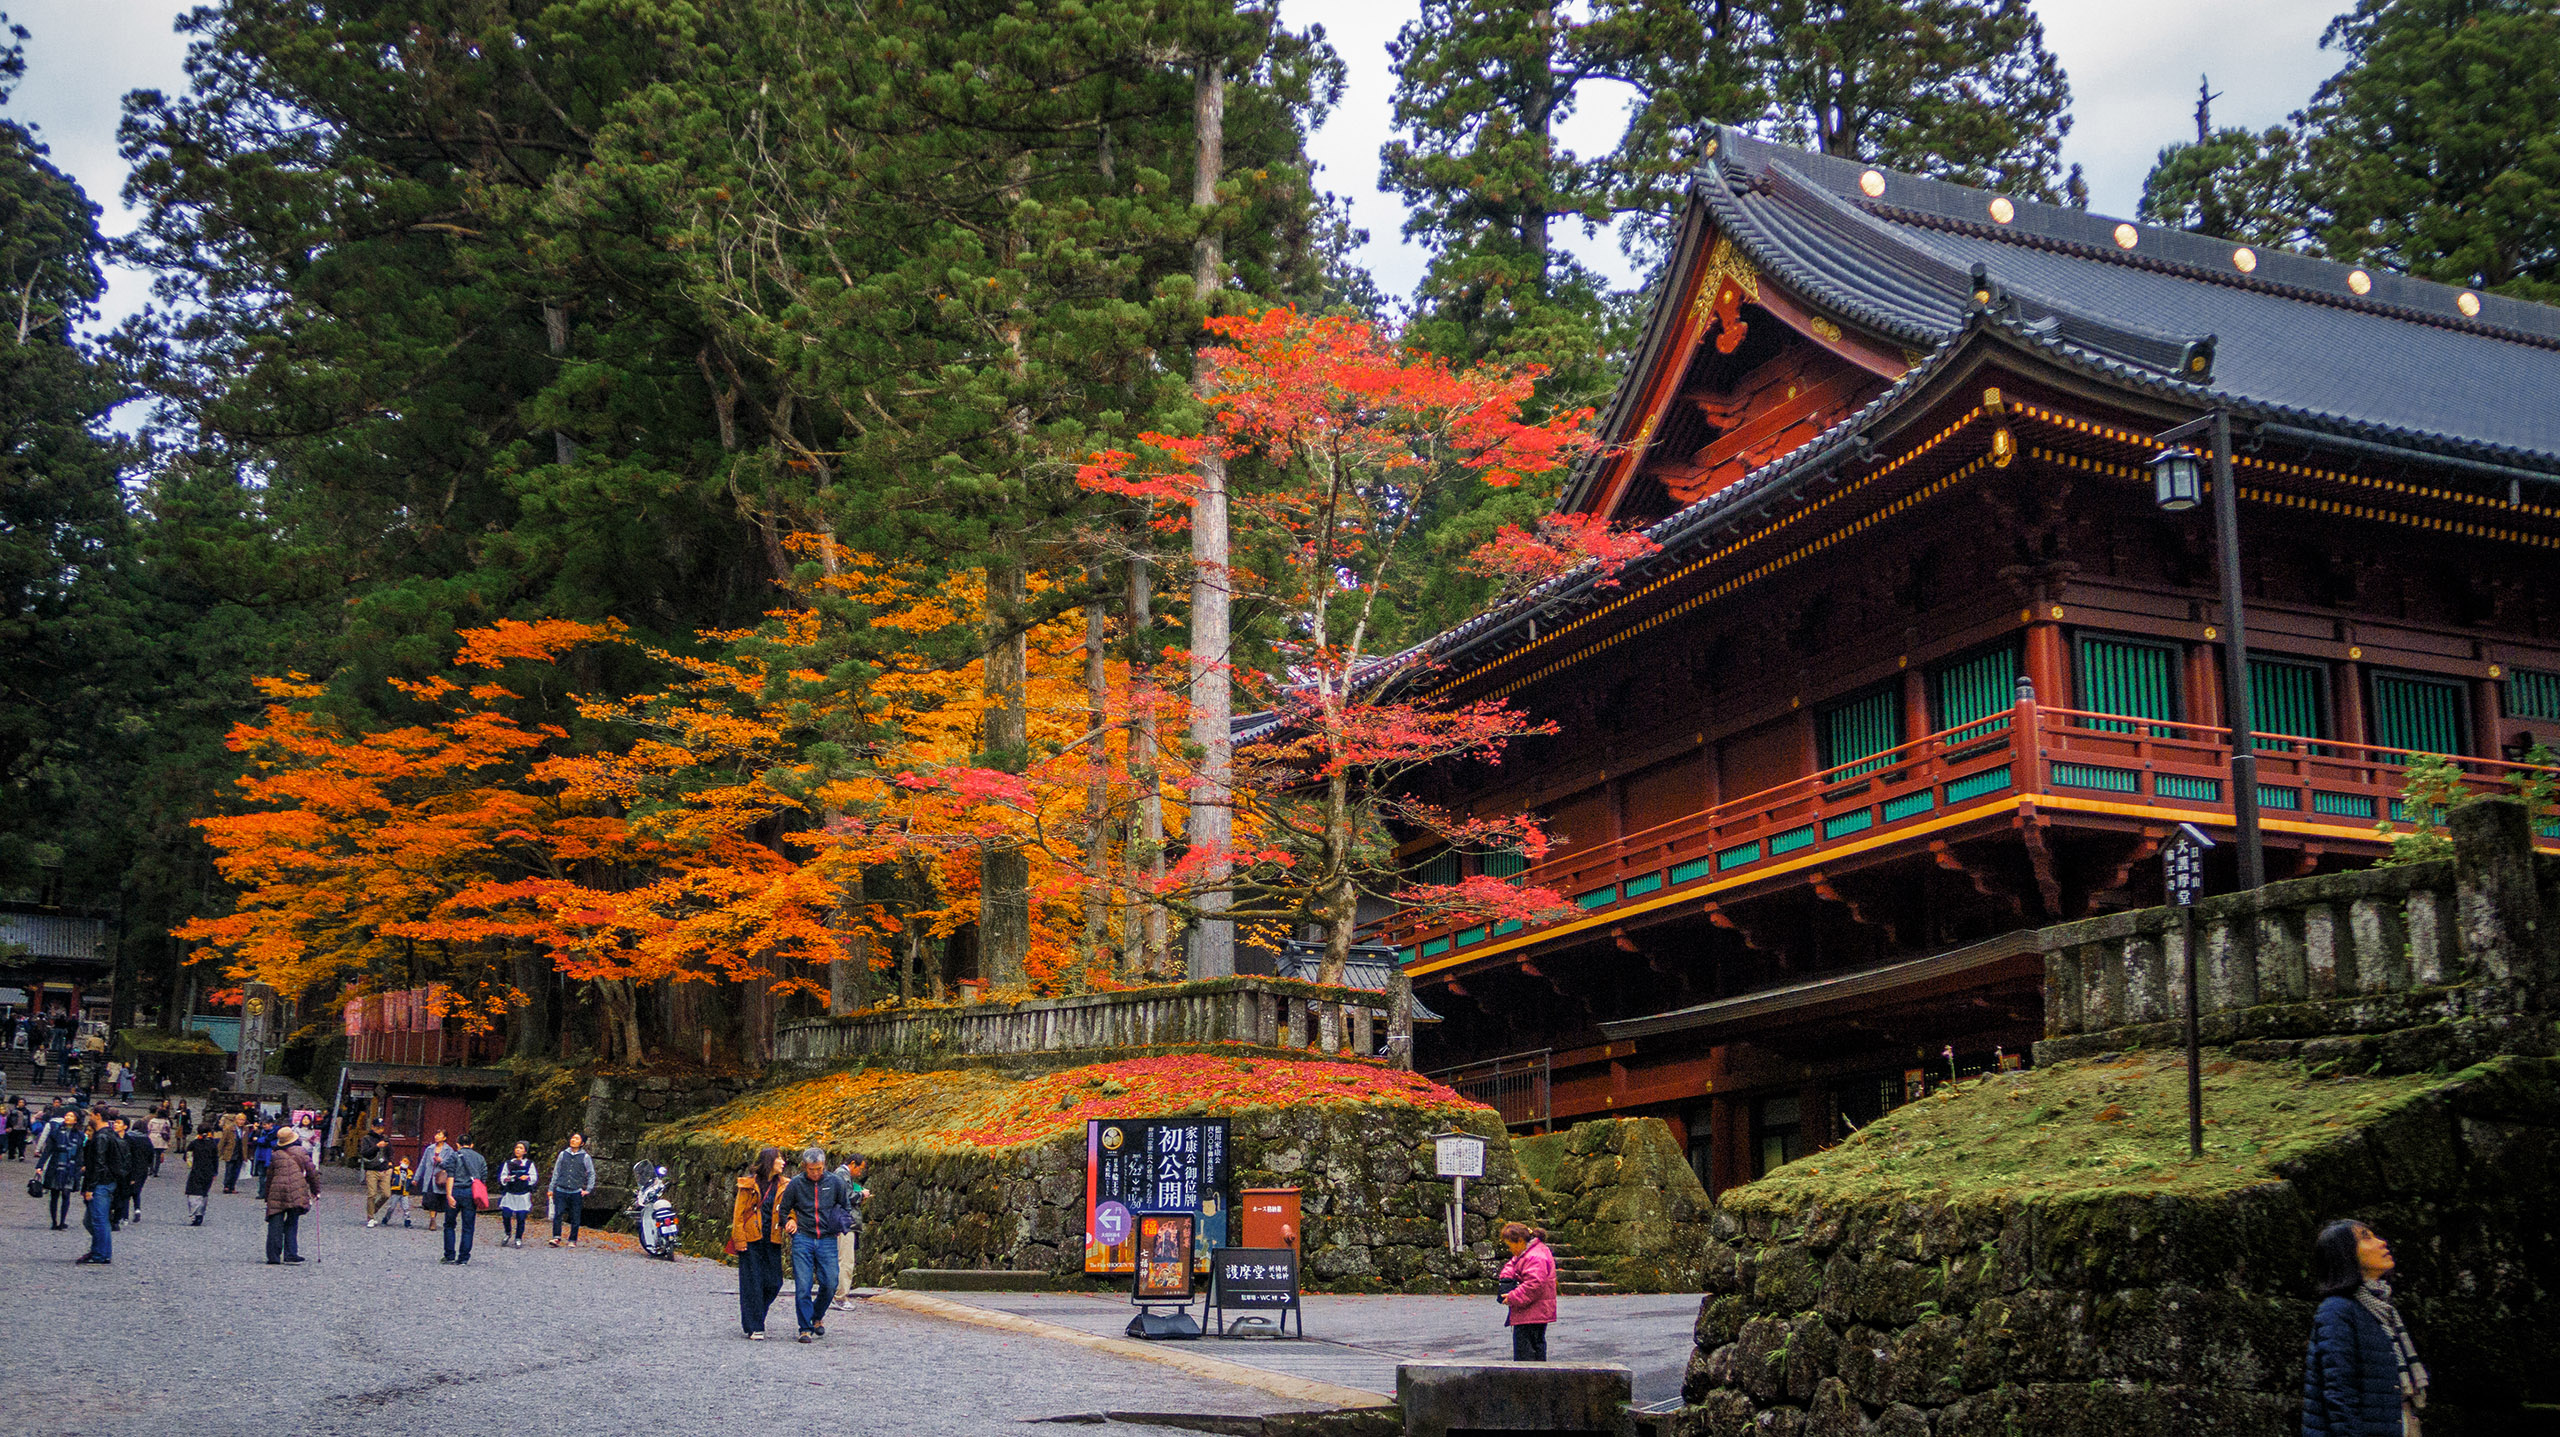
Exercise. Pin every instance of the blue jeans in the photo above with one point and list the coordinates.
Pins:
(813, 1271)
(460, 1222)
(102, 1238)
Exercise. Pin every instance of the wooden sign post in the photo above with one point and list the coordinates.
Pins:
(2182, 874)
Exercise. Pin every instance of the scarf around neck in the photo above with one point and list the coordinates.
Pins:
(2374, 1296)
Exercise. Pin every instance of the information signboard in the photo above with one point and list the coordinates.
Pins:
(1256, 1282)
(1137, 1167)
(1459, 1156)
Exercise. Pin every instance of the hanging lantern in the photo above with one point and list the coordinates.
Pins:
(2177, 479)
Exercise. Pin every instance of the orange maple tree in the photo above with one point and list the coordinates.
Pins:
(1353, 440)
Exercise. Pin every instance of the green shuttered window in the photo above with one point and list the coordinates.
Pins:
(2285, 698)
(2532, 695)
(1503, 865)
(2122, 677)
(1441, 867)
(1861, 728)
(1977, 688)
(2415, 713)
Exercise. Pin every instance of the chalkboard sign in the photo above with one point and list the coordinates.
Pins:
(1254, 1281)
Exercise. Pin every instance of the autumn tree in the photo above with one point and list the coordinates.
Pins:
(1351, 438)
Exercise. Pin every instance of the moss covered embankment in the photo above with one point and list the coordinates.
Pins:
(978, 1168)
(2035, 1252)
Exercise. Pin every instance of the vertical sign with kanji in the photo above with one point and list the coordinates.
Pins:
(2182, 865)
(1141, 1167)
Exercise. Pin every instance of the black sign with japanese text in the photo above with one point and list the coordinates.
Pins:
(1245, 1277)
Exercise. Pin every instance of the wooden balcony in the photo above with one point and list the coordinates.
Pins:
(434, 1048)
(2092, 762)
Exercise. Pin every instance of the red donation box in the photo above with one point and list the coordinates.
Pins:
(1271, 1218)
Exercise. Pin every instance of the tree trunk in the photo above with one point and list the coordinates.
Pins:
(621, 1024)
(1004, 869)
(1341, 902)
(1097, 788)
(532, 1035)
(1213, 949)
(1142, 949)
(849, 970)
(555, 330)
(912, 940)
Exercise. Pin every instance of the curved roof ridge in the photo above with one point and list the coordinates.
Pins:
(2086, 234)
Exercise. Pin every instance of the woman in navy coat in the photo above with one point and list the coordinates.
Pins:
(2363, 1377)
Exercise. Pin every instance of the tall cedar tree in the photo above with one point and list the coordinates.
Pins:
(942, 251)
(1962, 90)
(2233, 185)
(2433, 150)
(64, 534)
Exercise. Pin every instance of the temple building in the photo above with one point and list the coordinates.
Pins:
(1920, 665)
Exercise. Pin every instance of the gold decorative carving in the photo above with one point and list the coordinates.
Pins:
(1825, 330)
(2004, 448)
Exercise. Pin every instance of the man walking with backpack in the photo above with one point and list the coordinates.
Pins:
(819, 1207)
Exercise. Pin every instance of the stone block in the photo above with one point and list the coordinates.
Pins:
(1439, 1398)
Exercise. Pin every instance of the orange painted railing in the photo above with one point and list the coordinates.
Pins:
(2181, 769)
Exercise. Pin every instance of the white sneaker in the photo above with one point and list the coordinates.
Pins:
(369, 1222)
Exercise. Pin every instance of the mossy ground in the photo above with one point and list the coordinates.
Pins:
(2094, 1127)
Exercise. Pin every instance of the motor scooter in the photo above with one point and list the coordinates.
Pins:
(653, 1216)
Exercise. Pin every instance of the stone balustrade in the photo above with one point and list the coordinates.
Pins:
(1269, 1012)
(2461, 951)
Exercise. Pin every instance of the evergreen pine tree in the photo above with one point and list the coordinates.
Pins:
(2432, 151)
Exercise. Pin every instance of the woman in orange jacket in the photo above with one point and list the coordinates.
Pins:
(756, 1236)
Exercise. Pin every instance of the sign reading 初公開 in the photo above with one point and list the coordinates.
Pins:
(1141, 1167)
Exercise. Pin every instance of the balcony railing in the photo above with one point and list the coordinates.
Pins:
(1516, 1086)
(434, 1048)
(2181, 769)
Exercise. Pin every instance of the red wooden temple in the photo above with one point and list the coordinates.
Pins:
(1920, 666)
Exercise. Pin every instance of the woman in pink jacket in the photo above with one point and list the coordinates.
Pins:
(1527, 1285)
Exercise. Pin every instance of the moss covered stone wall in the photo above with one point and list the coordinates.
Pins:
(2163, 1303)
(1623, 1194)
(1371, 1207)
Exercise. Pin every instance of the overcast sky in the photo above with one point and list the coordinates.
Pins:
(2133, 67)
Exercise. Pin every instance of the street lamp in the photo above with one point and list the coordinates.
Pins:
(2175, 478)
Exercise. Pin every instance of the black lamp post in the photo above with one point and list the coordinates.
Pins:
(2176, 478)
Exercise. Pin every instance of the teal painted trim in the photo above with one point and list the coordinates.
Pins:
(1975, 785)
(1508, 925)
(1472, 935)
(2288, 799)
(2107, 780)
(1597, 897)
(1434, 947)
(1838, 824)
(2194, 790)
(1694, 868)
(1407, 955)
(1738, 855)
(2341, 805)
(2549, 830)
(1643, 883)
(1791, 840)
(1898, 809)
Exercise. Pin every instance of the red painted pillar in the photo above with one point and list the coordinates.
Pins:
(1915, 706)
(2346, 697)
(2204, 684)
(2045, 663)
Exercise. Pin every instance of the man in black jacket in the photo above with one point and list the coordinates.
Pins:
(138, 1158)
(373, 1154)
(819, 1205)
(102, 1161)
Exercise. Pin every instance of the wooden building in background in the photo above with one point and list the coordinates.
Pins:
(1920, 667)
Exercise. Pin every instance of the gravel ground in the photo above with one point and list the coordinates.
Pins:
(191, 1332)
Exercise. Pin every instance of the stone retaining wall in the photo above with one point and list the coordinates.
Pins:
(2444, 962)
(1372, 1209)
(1623, 1194)
(2112, 1315)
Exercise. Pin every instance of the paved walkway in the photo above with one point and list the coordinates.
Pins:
(1357, 1341)
(190, 1331)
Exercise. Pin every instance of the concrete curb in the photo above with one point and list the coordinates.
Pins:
(1296, 1389)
